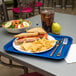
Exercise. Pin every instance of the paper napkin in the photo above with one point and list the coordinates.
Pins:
(71, 57)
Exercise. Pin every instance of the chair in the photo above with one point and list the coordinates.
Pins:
(49, 3)
(26, 8)
(67, 3)
(9, 4)
(22, 8)
(38, 4)
(3, 13)
(70, 4)
(32, 74)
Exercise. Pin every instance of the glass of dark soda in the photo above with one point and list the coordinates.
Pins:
(47, 17)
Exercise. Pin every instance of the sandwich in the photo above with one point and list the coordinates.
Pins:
(30, 35)
(41, 32)
(25, 37)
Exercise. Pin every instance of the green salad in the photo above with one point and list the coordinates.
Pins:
(20, 23)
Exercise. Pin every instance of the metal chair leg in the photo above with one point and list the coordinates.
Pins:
(54, 3)
(73, 4)
(0, 57)
(25, 70)
(10, 62)
(48, 3)
(43, 3)
(65, 4)
(39, 9)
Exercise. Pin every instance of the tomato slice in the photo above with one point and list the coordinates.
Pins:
(20, 38)
(3, 26)
(34, 37)
(16, 26)
(27, 37)
(44, 35)
(22, 26)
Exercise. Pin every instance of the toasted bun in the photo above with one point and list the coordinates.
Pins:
(39, 30)
(25, 35)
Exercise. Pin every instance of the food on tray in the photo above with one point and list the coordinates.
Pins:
(16, 24)
(26, 37)
(34, 40)
(38, 45)
(31, 36)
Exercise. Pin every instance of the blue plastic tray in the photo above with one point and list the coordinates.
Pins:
(9, 48)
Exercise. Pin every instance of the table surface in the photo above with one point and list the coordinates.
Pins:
(45, 66)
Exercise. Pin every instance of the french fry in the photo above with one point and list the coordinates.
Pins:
(38, 45)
